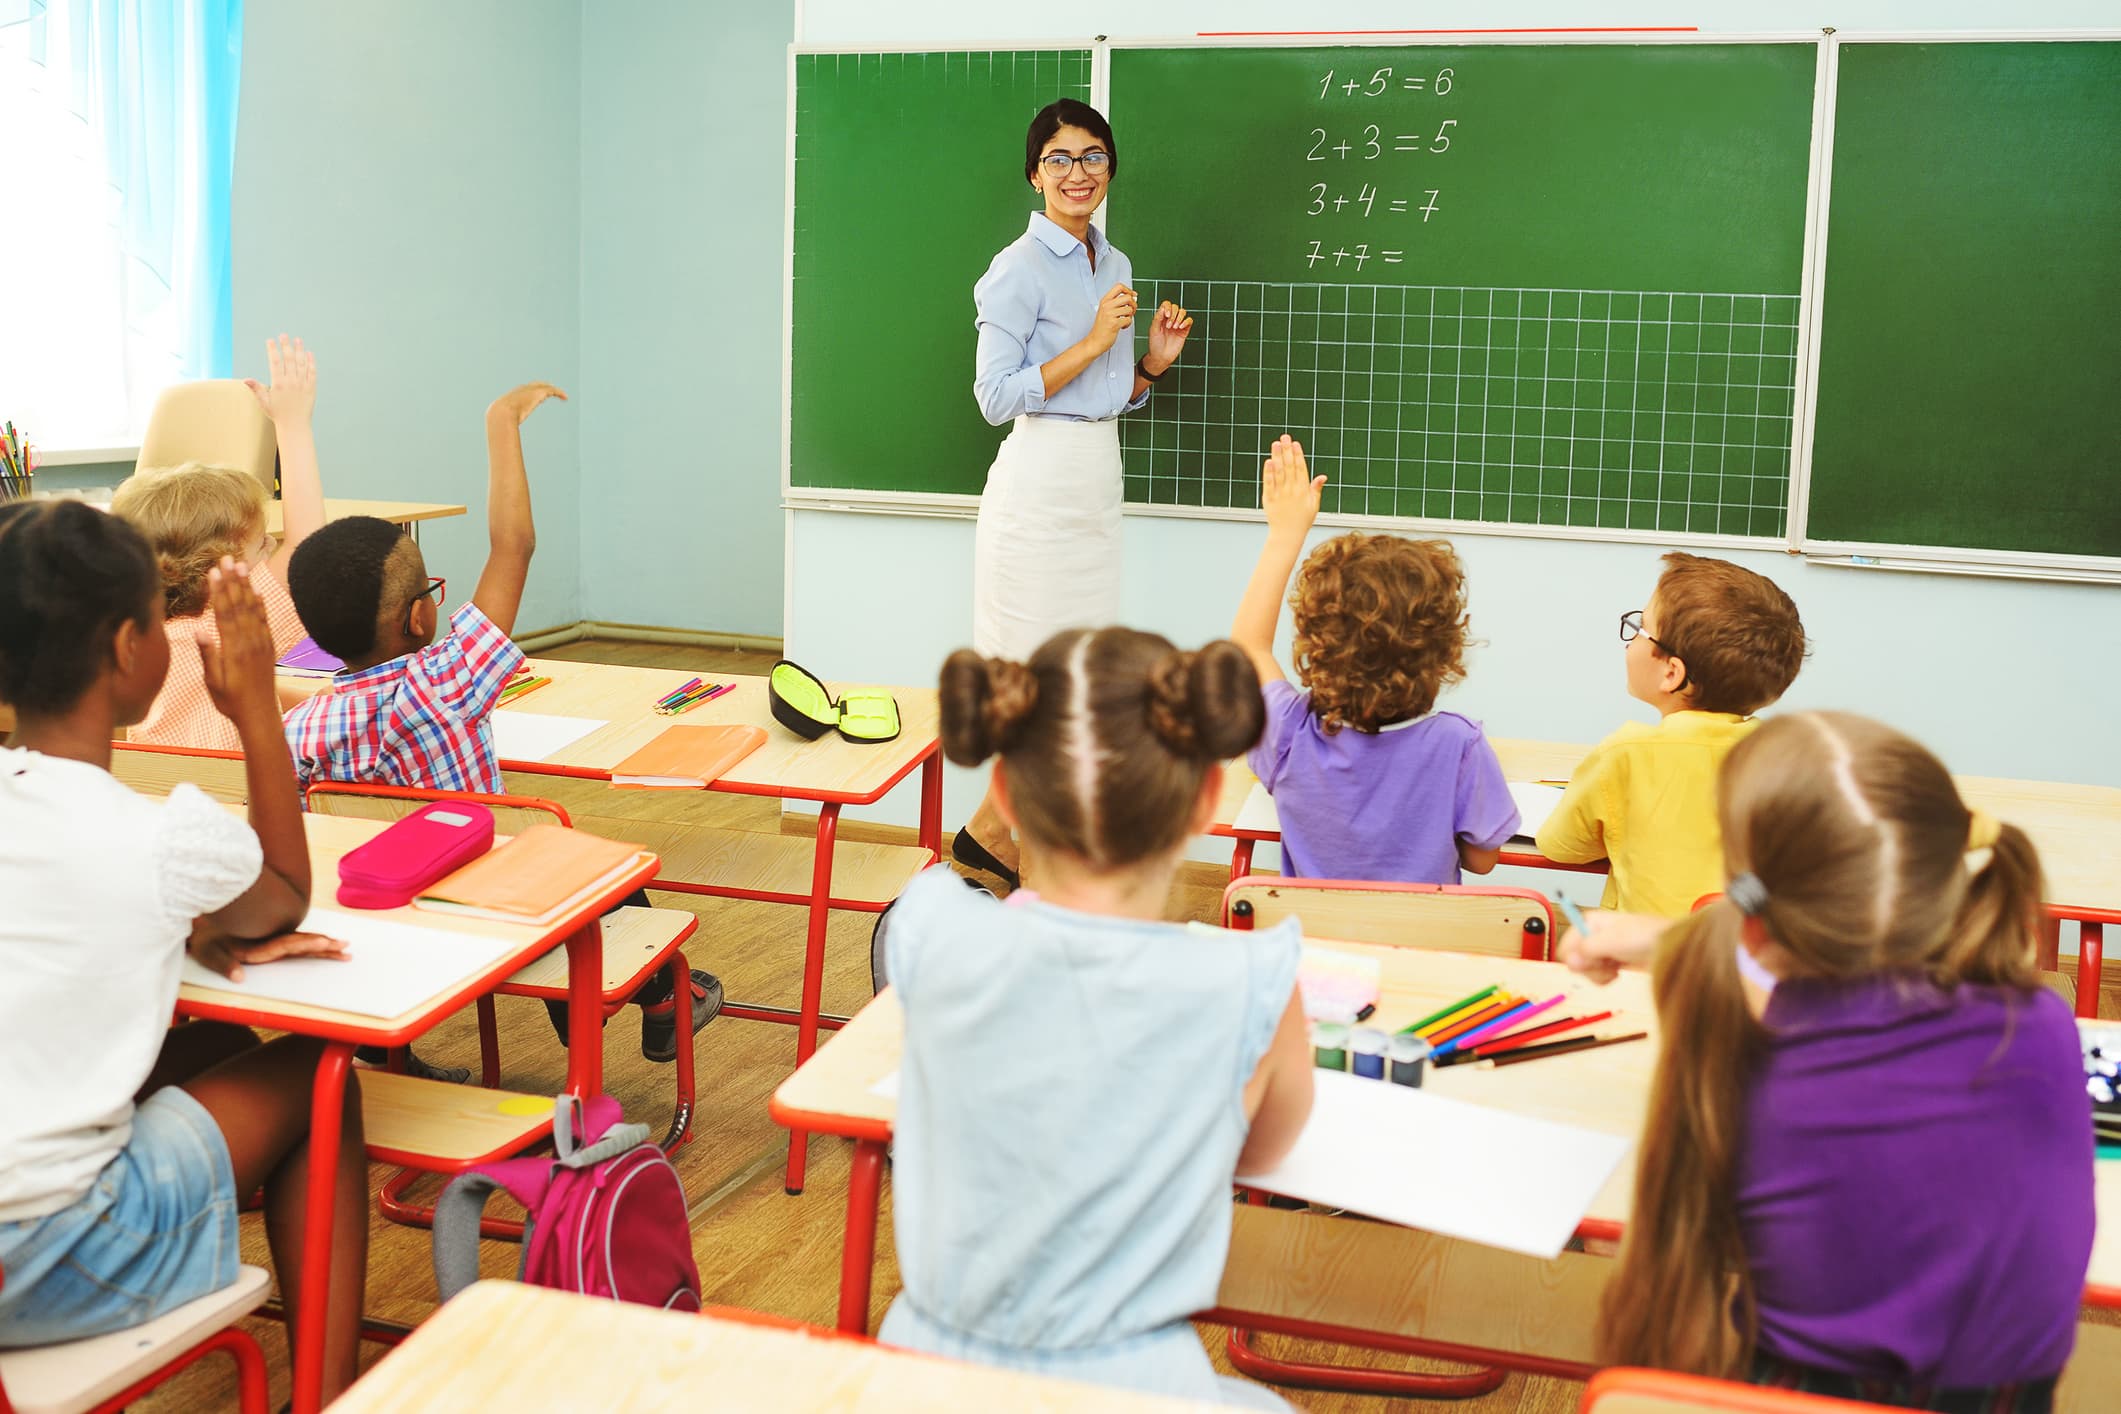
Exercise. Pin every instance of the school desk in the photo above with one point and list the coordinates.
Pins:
(831, 772)
(1392, 1286)
(504, 1345)
(329, 838)
(406, 513)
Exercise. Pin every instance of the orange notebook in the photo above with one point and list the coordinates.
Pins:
(536, 878)
(688, 758)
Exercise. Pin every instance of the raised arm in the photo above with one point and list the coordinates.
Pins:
(290, 401)
(511, 537)
(1288, 493)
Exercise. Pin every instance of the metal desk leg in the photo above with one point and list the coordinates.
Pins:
(828, 826)
(327, 1102)
(858, 1256)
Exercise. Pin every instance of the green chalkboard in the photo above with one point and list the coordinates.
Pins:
(1970, 338)
(1535, 284)
(908, 179)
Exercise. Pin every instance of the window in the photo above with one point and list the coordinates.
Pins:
(117, 118)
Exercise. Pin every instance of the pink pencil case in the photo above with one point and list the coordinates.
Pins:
(396, 865)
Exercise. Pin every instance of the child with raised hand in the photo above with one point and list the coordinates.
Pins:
(126, 1145)
(409, 709)
(1081, 1079)
(1715, 644)
(194, 516)
(1867, 1167)
(1369, 779)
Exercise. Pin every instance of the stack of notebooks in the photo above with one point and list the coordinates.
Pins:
(687, 758)
(535, 879)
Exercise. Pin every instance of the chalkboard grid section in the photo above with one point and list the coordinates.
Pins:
(1607, 409)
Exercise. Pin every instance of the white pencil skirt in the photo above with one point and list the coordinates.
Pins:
(1047, 552)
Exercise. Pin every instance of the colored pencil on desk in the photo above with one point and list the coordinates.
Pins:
(1564, 1048)
(679, 691)
(1459, 1005)
(1483, 1006)
(1513, 1017)
(1488, 1012)
(725, 687)
(1496, 1045)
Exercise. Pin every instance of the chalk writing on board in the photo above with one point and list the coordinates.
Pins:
(1325, 199)
(1382, 81)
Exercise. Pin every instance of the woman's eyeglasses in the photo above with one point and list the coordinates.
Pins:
(1060, 164)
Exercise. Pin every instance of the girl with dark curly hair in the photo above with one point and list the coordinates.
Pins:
(1370, 780)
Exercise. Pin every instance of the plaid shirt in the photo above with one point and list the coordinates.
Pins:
(420, 720)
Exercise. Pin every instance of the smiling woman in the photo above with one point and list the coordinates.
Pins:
(1056, 354)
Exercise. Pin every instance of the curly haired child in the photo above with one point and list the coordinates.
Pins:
(1370, 780)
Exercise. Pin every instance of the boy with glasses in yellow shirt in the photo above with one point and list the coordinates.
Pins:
(1715, 645)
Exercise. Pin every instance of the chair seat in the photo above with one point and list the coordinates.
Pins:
(80, 1374)
(444, 1128)
(635, 939)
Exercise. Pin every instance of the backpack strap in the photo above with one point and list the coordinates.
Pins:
(463, 1203)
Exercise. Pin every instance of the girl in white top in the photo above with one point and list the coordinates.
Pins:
(1081, 1079)
(125, 1143)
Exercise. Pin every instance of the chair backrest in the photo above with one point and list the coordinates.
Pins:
(1629, 1391)
(512, 814)
(1446, 917)
(156, 770)
(216, 421)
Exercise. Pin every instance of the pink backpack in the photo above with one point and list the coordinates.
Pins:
(607, 1214)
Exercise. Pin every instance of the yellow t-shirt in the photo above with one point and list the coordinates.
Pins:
(1645, 798)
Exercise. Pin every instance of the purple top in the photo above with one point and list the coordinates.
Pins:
(1390, 805)
(1916, 1187)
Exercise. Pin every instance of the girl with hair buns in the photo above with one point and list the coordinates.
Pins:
(1081, 1080)
(1867, 1167)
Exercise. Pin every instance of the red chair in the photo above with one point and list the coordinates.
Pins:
(1630, 1391)
(107, 1372)
(1506, 922)
(637, 943)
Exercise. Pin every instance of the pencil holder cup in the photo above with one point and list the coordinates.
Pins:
(17, 488)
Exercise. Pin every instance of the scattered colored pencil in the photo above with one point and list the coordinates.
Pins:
(1461, 1004)
(1495, 1045)
(1564, 1048)
(1515, 1016)
(521, 687)
(691, 695)
(1488, 1012)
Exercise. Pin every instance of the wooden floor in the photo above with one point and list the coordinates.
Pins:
(756, 1246)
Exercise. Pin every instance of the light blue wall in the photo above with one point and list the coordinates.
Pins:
(407, 198)
(683, 163)
(2001, 677)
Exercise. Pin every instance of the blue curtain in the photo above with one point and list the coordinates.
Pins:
(158, 79)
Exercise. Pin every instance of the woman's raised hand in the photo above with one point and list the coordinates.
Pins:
(1115, 315)
(1167, 337)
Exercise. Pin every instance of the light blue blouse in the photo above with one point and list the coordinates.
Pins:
(1037, 300)
(1069, 1118)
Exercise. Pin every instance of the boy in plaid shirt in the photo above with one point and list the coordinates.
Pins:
(408, 710)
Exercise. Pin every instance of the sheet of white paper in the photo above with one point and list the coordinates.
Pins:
(390, 968)
(1444, 1166)
(1258, 813)
(887, 1087)
(1534, 803)
(533, 736)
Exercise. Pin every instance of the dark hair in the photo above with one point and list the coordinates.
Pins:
(69, 575)
(1066, 113)
(1380, 628)
(1736, 631)
(1105, 736)
(337, 578)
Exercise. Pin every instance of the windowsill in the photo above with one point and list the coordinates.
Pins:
(83, 456)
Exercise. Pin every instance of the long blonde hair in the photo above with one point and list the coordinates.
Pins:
(192, 515)
(1859, 841)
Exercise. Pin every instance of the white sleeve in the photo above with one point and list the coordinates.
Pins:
(205, 856)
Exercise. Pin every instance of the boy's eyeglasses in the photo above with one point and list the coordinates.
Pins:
(437, 589)
(1631, 629)
(1060, 164)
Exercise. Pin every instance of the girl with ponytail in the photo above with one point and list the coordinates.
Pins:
(1081, 1079)
(1867, 1167)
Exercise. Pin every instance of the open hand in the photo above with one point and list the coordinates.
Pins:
(1167, 337)
(239, 668)
(517, 404)
(217, 952)
(293, 394)
(1288, 493)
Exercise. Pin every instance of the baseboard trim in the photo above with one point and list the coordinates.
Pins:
(556, 637)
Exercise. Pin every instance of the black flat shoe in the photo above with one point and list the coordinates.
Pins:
(973, 855)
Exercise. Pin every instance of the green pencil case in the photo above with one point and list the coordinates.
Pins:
(806, 707)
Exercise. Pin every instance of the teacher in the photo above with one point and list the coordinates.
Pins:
(1056, 354)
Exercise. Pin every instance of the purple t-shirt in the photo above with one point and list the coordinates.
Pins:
(1389, 805)
(1916, 1183)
